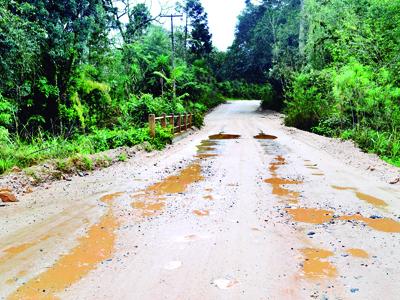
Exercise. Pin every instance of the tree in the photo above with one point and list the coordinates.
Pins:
(200, 43)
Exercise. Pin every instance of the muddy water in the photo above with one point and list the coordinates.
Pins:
(379, 203)
(152, 200)
(357, 253)
(263, 136)
(13, 251)
(371, 199)
(311, 216)
(380, 224)
(278, 183)
(92, 249)
(316, 265)
(223, 136)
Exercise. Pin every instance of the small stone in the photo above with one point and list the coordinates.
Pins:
(354, 290)
(15, 169)
(7, 196)
(311, 233)
(395, 181)
(28, 190)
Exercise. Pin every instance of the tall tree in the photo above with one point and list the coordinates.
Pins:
(200, 43)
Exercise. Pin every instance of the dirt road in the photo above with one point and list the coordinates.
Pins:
(220, 217)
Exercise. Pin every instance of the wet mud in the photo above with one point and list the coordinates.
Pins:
(379, 203)
(311, 216)
(278, 184)
(152, 200)
(316, 264)
(263, 136)
(92, 249)
(224, 136)
(359, 253)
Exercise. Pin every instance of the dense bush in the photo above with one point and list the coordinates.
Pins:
(350, 102)
(247, 91)
(75, 79)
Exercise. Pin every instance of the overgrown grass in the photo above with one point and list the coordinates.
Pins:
(23, 154)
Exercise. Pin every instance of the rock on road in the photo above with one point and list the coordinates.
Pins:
(238, 210)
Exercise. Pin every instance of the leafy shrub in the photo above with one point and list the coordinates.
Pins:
(309, 99)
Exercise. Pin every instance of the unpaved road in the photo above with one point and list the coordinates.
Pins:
(233, 218)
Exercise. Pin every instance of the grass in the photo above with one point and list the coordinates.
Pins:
(74, 153)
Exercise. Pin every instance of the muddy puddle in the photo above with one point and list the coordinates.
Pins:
(207, 146)
(278, 184)
(316, 264)
(311, 216)
(152, 200)
(224, 136)
(319, 216)
(380, 224)
(359, 253)
(379, 203)
(263, 136)
(11, 252)
(92, 249)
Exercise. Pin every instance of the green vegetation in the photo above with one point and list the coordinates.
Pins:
(334, 66)
(81, 77)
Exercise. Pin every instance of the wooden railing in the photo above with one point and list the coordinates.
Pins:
(178, 123)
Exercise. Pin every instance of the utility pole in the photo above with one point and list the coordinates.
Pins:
(172, 46)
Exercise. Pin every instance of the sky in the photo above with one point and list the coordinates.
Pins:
(222, 18)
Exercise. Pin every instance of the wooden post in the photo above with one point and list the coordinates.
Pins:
(172, 123)
(186, 121)
(179, 123)
(190, 120)
(164, 121)
(152, 125)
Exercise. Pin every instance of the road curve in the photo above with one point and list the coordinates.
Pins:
(237, 210)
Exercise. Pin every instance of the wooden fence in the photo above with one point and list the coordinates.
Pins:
(179, 123)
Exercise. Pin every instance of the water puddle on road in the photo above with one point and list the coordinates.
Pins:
(311, 216)
(379, 203)
(263, 136)
(379, 224)
(224, 136)
(152, 200)
(359, 253)
(371, 199)
(278, 183)
(316, 265)
(15, 250)
(344, 188)
(317, 216)
(96, 246)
